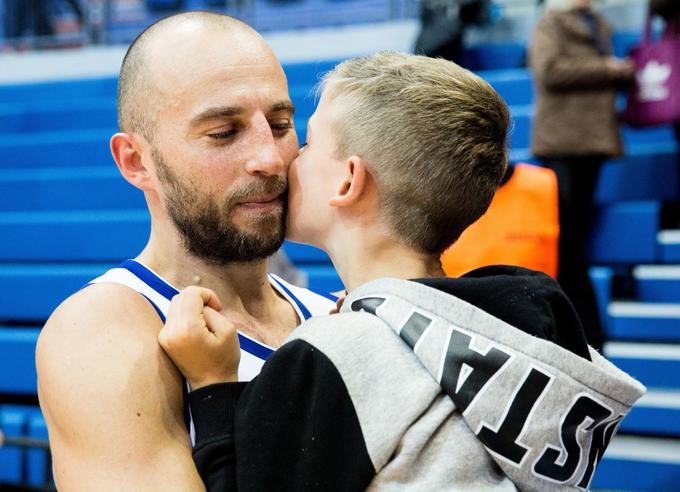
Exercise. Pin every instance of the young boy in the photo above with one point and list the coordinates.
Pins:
(421, 382)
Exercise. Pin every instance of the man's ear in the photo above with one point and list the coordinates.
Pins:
(126, 149)
(353, 187)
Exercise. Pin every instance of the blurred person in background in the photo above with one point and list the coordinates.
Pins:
(669, 10)
(575, 130)
(31, 23)
(27, 19)
(521, 226)
(443, 24)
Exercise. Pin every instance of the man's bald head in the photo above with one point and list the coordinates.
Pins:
(138, 95)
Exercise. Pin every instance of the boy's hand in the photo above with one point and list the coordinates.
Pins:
(201, 342)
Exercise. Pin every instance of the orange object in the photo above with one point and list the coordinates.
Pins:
(521, 227)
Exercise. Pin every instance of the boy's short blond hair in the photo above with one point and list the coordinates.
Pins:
(433, 134)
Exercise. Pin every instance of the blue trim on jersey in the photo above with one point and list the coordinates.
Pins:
(160, 313)
(150, 279)
(168, 291)
(303, 309)
(254, 348)
(327, 295)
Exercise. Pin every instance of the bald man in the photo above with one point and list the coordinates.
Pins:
(206, 132)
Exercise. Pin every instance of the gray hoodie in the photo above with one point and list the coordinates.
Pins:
(413, 388)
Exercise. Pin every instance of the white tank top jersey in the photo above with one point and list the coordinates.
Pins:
(159, 292)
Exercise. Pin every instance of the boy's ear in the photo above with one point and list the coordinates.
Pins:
(127, 152)
(353, 187)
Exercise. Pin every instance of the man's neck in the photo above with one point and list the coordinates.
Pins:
(244, 289)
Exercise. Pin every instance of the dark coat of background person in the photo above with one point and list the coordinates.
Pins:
(575, 89)
(575, 130)
(443, 24)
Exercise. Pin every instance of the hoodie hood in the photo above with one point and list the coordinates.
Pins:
(545, 414)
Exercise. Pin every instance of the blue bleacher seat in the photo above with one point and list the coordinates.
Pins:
(17, 358)
(514, 85)
(625, 233)
(38, 469)
(654, 365)
(322, 277)
(53, 149)
(640, 464)
(644, 321)
(31, 292)
(64, 89)
(305, 254)
(655, 415)
(644, 175)
(622, 42)
(164, 5)
(307, 74)
(657, 283)
(76, 236)
(13, 422)
(58, 115)
(654, 135)
(68, 188)
(669, 246)
(488, 56)
(602, 278)
(520, 133)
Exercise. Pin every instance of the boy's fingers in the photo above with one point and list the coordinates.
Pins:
(206, 296)
(187, 306)
(210, 299)
(217, 323)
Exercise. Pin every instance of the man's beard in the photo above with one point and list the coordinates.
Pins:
(205, 226)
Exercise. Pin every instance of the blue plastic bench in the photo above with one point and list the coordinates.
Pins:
(646, 322)
(31, 292)
(68, 188)
(625, 233)
(17, 360)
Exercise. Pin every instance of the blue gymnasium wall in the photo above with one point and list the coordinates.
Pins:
(66, 216)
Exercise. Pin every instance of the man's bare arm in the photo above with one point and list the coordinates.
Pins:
(111, 397)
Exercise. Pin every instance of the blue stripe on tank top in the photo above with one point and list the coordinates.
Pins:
(168, 291)
(150, 279)
(303, 309)
(254, 348)
(158, 310)
(327, 295)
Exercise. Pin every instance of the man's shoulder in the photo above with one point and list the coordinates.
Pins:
(95, 315)
(104, 304)
(99, 340)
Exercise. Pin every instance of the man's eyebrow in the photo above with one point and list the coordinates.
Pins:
(231, 111)
(221, 112)
(283, 106)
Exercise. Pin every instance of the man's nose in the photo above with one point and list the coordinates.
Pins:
(265, 155)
